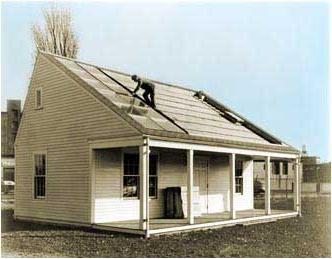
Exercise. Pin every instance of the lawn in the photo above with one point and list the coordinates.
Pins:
(308, 236)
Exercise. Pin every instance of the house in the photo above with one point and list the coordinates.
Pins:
(10, 121)
(90, 153)
(282, 175)
(315, 177)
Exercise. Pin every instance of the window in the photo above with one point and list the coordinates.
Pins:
(131, 176)
(285, 168)
(39, 102)
(40, 175)
(276, 168)
(239, 176)
(9, 174)
(153, 177)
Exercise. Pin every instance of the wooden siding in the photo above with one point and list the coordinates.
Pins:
(69, 117)
(245, 201)
(110, 206)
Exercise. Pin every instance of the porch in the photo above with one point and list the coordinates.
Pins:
(144, 220)
(213, 220)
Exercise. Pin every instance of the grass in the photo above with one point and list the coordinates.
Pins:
(308, 236)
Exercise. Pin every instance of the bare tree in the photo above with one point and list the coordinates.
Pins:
(57, 36)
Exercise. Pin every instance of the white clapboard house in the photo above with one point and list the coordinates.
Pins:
(89, 153)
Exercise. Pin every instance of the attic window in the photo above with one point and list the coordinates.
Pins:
(38, 98)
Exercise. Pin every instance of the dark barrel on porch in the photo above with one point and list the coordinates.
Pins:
(173, 203)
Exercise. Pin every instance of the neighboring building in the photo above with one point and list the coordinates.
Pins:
(282, 175)
(10, 121)
(316, 175)
(90, 153)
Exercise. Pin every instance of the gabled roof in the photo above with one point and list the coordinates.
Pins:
(181, 113)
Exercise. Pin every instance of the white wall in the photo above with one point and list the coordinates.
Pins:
(245, 201)
(61, 128)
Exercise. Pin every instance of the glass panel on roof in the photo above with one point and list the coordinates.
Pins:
(105, 80)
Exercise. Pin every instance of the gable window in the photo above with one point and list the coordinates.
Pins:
(131, 178)
(39, 176)
(239, 176)
(285, 168)
(38, 101)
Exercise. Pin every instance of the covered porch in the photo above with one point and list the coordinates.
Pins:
(206, 221)
(147, 225)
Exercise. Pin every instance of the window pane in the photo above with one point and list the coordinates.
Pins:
(285, 165)
(153, 164)
(130, 186)
(153, 186)
(239, 185)
(39, 186)
(238, 168)
(38, 98)
(40, 164)
(130, 164)
(9, 174)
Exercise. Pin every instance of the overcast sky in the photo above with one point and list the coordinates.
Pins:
(267, 61)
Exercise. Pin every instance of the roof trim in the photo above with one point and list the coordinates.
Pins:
(117, 71)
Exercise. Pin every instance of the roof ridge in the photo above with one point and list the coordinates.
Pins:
(116, 71)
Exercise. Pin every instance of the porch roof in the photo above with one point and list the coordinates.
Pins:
(182, 114)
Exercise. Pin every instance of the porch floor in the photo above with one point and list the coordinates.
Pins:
(162, 223)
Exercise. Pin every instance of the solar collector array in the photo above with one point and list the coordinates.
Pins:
(180, 105)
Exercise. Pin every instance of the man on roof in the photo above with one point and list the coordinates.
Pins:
(148, 88)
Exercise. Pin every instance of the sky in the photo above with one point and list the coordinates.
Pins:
(267, 61)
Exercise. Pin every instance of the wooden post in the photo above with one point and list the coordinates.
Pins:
(232, 185)
(267, 185)
(190, 183)
(300, 187)
(92, 161)
(296, 186)
(144, 186)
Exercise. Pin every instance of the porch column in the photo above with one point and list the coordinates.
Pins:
(190, 182)
(267, 185)
(296, 195)
(232, 185)
(144, 185)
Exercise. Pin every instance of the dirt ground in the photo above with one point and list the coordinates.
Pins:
(308, 236)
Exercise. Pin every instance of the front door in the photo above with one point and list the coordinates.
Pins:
(201, 181)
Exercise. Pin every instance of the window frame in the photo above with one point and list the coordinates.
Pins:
(155, 176)
(5, 173)
(37, 107)
(237, 177)
(134, 152)
(123, 176)
(276, 170)
(285, 168)
(34, 196)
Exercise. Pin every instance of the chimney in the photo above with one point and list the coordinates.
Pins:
(14, 115)
(304, 150)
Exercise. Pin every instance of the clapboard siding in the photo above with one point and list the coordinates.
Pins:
(218, 184)
(110, 206)
(246, 201)
(61, 128)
